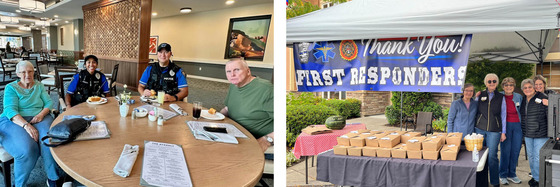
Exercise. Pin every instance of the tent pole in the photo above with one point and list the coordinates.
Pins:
(401, 111)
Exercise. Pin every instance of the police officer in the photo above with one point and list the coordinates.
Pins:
(88, 82)
(164, 75)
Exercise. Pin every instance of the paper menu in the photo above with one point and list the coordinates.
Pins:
(164, 164)
(96, 130)
(166, 113)
(231, 129)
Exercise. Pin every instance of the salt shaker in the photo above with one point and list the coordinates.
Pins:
(133, 116)
(160, 120)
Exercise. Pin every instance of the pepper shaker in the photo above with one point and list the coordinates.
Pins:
(160, 120)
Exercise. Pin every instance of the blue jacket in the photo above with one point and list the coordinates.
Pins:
(517, 98)
(460, 119)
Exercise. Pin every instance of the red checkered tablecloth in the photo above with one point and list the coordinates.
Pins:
(309, 145)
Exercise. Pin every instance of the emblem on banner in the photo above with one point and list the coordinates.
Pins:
(324, 51)
(348, 50)
(303, 52)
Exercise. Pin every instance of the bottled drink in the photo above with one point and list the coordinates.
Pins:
(475, 154)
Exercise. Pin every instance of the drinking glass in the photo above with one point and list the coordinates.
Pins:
(197, 108)
(160, 97)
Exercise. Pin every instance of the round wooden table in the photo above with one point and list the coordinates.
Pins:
(210, 164)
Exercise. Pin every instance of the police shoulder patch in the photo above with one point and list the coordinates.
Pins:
(171, 72)
(97, 75)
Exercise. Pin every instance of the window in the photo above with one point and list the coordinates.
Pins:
(327, 5)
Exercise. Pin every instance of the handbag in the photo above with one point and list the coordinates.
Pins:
(65, 132)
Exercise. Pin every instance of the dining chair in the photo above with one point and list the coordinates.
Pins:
(6, 160)
(113, 80)
(6, 70)
(9, 55)
(424, 123)
(61, 91)
(50, 59)
(43, 77)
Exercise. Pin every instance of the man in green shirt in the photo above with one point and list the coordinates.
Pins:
(250, 102)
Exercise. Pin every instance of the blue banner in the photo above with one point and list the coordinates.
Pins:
(415, 64)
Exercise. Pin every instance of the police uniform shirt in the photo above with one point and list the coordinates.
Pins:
(181, 79)
(74, 84)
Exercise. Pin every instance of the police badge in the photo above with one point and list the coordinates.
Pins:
(348, 50)
(303, 52)
(171, 72)
(97, 76)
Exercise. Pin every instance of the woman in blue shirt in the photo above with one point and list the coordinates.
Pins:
(462, 113)
(24, 121)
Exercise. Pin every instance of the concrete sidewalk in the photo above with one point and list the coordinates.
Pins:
(295, 175)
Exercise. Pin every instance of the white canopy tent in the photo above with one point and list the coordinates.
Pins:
(365, 19)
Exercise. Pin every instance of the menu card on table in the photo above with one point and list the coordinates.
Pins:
(166, 113)
(164, 164)
(96, 130)
(231, 129)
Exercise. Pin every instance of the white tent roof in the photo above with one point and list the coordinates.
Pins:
(365, 19)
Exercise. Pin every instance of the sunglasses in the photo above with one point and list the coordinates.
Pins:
(492, 81)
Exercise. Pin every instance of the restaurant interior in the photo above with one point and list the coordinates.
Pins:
(126, 33)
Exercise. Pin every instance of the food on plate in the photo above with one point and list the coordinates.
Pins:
(212, 111)
(94, 99)
(153, 92)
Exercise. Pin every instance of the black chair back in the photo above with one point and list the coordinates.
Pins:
(9, 55)
(113, 86)
(59, 78)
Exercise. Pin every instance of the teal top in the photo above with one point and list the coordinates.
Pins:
(25, 102)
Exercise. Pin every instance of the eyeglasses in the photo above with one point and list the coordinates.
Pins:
(527, 87)
(492, 81)
(509, 85)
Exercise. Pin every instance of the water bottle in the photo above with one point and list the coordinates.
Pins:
(475, 154)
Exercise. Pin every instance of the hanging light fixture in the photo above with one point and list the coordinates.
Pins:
(24, 28)
(42, 23)
(7, 19)
(32, 6)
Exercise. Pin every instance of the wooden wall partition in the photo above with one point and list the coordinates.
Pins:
(117, 32)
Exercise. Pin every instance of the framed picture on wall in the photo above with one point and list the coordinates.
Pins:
(247, 37)
(153, 45)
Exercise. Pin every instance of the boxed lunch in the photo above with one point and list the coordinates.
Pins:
(355, 151)
(369, 151)
(389, 141)
(454, 138)
(430, 155)
(413, 154)
(407, 136)
(340, 150)
(432, 143)
(366, 134)
(343, 140)
(399, 151)
(372, 141)
(357, 141)
(449, 152)
(384, 152)
(415, 143)
(363, 131)
(441, 135)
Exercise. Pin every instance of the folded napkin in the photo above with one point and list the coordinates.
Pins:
(126, 161)
(86, 117)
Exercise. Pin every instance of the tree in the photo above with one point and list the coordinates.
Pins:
(299, 7)
(476, 71)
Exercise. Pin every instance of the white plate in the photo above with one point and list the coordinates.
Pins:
(144, 98)
(217, 116)
(102, 101)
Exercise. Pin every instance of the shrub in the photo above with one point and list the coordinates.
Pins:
(392, 114)
(306, 98)
(345, 108)
(290, 158)
(413, 102)
(476, 71)
(441, 123)
(435, 108)
(300, 116)
(356, 107)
